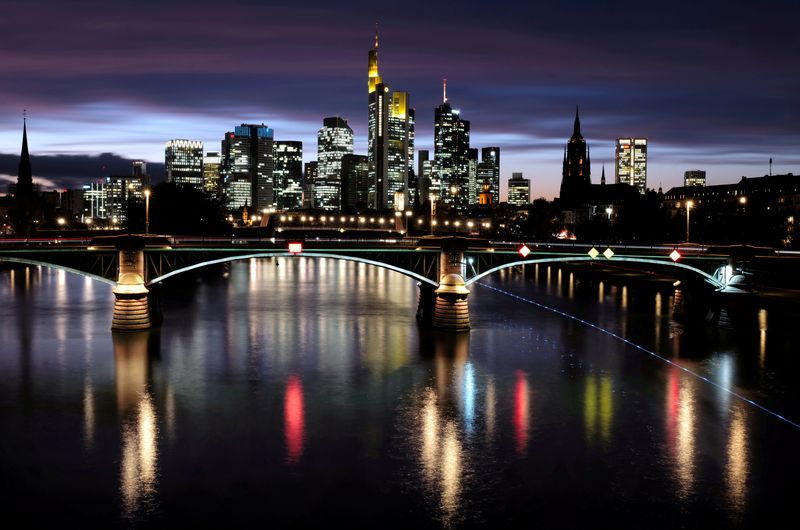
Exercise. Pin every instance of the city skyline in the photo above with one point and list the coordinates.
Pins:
(714, 92)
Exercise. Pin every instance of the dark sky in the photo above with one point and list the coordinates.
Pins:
(712, 85)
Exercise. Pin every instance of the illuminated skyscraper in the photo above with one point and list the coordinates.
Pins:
(247, 166)
(472, 176)
(451, 154)
(309, 176)
(519, 190)
(288, 175)
(401, 146)
(576, 170)
(489, 171)
(119, 193)
(183, 160)
(425, 176)
(334, 140)
(696, 177)
(212, 165)
(631, 162)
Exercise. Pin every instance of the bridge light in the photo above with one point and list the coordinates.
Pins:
(608, 253)
(524, 251)
(593, 253)
(295, 248)
(675, 255)
(61, 221)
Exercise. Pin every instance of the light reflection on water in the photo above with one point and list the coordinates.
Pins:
(317, 369)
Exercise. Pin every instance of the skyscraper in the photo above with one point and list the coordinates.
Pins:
(119, 192)
(212, 171)
(401, 146)
(139, 168)
(631, 162)
(288, 175)
(377, 131)
(519, 190)
(576, 170)
(183, 161)
(472, 176)
(451, 154)
(425, 176)
(489, 171)
(695, 177)
(247, 166)
(355, 181)
(334, 140)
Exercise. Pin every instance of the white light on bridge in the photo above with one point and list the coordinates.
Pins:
(593, 253)
(675, 255)
(608, 253)
(524, 251)
(295, 248)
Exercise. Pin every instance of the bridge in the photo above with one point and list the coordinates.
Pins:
(443, 266)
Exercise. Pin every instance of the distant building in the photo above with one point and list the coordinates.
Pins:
(288, 175)
(139, 170)
(695, 177)
(576, 169)
(519, 190)
(334, 140)
(631, 162)
(119, 193)
(309, 177)
(183, 161)
(94, 202)
(489, 171)
(451, 154)
(425, 176)
(473, 184)
(212, 173)
(355, 181)
(247, 167)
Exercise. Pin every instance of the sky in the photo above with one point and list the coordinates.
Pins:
(712, 85)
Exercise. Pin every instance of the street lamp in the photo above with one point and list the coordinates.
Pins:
(689, 205)
(147, 211)
(433, 211)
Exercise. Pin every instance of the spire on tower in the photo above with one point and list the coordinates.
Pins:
(603, 176)
(577, 127)
(444, 90)
(25, 173)
(376, 35)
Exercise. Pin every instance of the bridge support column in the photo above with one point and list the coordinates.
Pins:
(131, 307)
(451, 310)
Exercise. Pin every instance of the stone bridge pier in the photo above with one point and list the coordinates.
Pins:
(445, 306)
(131, 307)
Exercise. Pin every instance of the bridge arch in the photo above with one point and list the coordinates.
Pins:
(284, 254)
(707, 277)
(24, 261)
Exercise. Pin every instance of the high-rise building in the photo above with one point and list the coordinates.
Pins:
(576, 170)
(451, 154)
(212, 173)
(425, 176)
(355, 181)
(183, 161)
(139, 168)
(472, 176)
(119, 193)
(489, 171)
(288, 175)
(334, 140)
(631, 162)
(695, 177)
(519, 190)
(400, 154)
(247, 166)
(309, 177)
(377, 131)
(94, 202)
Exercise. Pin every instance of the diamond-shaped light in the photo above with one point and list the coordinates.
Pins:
(524, 251)
(675, 255)
(593, 253)
(608, 253)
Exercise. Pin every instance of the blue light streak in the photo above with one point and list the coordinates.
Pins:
(645, 350)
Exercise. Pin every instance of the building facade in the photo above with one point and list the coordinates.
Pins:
(334, 140)
(576, 169)
(212, 172)
(183, 162)
(451, 155)
(519, 190)
(288, 175)
(355, 181)
(489, 171)
(247, 167)
(631, 162)
(695, 177)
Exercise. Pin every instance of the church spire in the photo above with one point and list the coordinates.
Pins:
(576, 129)
(603, 176)
(25, 174)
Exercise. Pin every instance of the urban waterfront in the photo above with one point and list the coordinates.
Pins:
(303, 392)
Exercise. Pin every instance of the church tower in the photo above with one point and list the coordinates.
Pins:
(576, 171)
